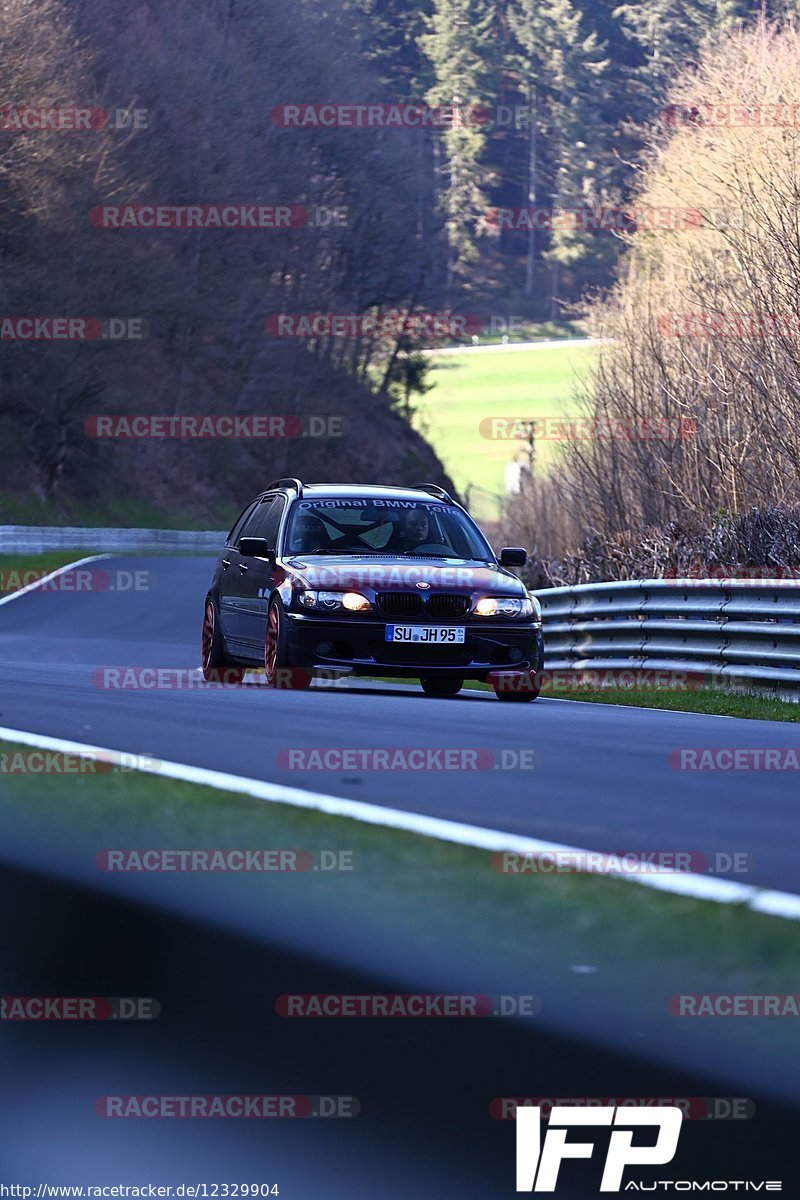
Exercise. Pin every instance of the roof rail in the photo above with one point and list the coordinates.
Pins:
(297, 484)
(435, 490)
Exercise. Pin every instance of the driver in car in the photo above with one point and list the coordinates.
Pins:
(415, 527)
(308, 535)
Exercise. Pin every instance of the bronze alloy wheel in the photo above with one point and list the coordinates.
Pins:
(278, 669)
(213, 660)
(209, 625)
(271, 644)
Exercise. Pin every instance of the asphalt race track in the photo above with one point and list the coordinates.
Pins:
(602, 779)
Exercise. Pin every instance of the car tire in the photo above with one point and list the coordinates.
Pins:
(278, 669)
(214, 664)
(524, 694)
(441, 685)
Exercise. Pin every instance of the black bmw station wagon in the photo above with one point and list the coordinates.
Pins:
(369, 580)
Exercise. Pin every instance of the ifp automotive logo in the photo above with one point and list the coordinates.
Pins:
(538, 1165)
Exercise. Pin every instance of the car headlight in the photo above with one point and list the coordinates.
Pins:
(506, 606)
(334, 601)
(355, 602)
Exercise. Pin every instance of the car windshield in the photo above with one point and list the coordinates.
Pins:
(384, 526)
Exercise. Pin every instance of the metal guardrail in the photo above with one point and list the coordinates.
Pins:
(736, 629)
(739, 630)
(33, 539)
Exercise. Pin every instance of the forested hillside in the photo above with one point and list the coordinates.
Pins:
(694, 409)
(526, 105)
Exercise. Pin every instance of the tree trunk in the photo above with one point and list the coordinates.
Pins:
(530, 262)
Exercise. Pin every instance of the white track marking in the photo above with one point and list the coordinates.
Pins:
(31, 587)
(697, 887)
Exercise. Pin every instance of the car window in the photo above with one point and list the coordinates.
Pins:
(271, 520)
(233, 536)
(370, 528)
(253, 518)
(264, 520)
(356, 526)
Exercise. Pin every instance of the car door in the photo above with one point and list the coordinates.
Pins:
(228, 576)
(255, 574)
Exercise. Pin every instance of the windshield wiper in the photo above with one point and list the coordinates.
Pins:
(450, 557)
(340, 553)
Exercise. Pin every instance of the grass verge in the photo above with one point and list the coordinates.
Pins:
(18, 570)
(630, 938)
(711, 701)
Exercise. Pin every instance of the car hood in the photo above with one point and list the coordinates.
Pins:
(392, 574)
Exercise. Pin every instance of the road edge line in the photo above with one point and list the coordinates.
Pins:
(31, 587)
(765, 901)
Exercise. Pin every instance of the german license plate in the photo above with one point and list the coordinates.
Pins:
(430, 635)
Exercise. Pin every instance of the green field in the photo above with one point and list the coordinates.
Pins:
(470, 387)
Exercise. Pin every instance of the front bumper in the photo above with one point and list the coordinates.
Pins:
(359, 646)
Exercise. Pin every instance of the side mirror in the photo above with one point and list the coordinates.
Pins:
(253, 547)
(513, 556)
